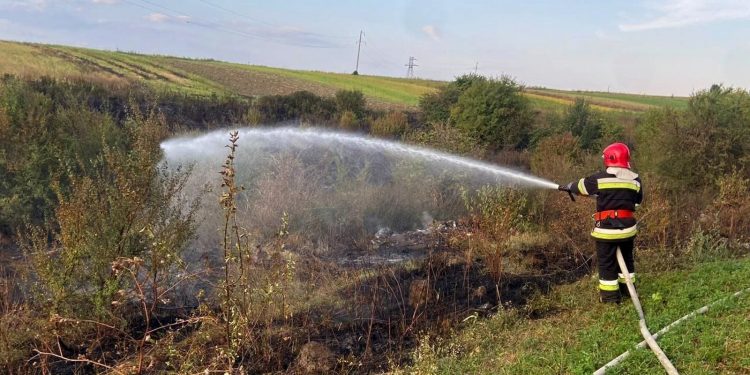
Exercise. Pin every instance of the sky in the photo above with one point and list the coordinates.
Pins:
(666, 47)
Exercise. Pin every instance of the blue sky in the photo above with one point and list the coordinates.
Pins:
(642, 46)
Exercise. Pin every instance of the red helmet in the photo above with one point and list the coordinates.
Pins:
(616, 155)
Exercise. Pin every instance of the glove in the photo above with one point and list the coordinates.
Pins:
(565, 187)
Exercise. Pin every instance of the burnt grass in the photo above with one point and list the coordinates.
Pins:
(384, 314)
(387, 312)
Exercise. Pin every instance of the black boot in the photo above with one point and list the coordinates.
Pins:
(609, 296)
(624, 291)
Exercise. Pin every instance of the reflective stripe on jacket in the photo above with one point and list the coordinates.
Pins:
(615, 189)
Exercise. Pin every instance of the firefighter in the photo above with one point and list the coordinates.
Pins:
(618, 193)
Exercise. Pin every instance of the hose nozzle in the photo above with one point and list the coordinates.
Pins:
(566, 188)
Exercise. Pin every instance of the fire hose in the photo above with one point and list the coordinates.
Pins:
(663, 359)
(665, 362)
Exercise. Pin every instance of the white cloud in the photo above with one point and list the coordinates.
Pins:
(105, 2)
(161, 17)
(432, 31)
(679, 13)
(157, 17)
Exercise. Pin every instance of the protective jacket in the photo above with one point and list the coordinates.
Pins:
(618, 192)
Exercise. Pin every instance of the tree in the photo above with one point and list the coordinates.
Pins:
(495, 113)
(583, 123)
(710, 139)
(436, 107)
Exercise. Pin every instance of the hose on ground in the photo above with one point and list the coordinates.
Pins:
(615, 361)
(665, 362)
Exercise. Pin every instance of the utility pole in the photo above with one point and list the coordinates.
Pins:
(476, 67)
(410, 65)
(359, 47)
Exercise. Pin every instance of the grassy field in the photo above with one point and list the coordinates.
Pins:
(624, 101)
(577, 335)
(206, 77)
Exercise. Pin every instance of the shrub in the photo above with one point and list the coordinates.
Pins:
(391, 125)
(560, 158)
(495, 113)
(350, 101)
(127, 208)
(301, 105)
(584, 123)
(348, 121)
(497, 214)
(710, 139)
(730, 210)
(442, 136)
(436, 107)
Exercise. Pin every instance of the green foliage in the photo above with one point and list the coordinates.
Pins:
(710, 139)
(497, 214)
(44, 136)
(127, 208)
(301, 105)
(436, 107)
(494, 112)
(583, 123)
(577, 335)
(352, 101)
(704, 246)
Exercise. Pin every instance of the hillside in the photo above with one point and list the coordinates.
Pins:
(205, 77)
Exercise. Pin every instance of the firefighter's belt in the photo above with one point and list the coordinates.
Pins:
(619, 214)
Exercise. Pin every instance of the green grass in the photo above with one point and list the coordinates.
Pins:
(617, 100)
(206, 77)
(394, 90)
(30, 60)
(578, 335)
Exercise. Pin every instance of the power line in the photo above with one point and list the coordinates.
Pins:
(237, 13)
(264, 22)
(379, 54)
(187, 18)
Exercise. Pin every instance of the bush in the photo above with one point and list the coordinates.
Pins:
(499, 214)
(436, 107)
(301, 105)
(730, 210)
(442, 136)
(42, 138)
(350, 101)
(560, 158)
(584, 123)
(391, 125)
(710, 139)
(348, 121)
(495, 113)
(127, 208)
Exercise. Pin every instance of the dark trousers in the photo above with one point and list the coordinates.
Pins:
(611, 282)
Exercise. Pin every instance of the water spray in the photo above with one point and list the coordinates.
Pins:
(200, 145)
